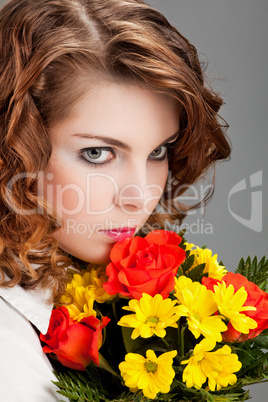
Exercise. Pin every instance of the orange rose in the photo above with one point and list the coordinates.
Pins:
(75, 344)
(145, 265)
(256, 298)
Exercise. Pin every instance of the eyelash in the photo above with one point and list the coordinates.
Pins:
(108, 149)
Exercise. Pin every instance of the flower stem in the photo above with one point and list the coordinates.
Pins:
(179, 334)
(165, 342)
(114, 311)
(183, 328)
(104, 365)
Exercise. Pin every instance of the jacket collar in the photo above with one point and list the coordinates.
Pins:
(32, 304)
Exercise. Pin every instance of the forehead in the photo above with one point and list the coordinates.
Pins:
(121, 110)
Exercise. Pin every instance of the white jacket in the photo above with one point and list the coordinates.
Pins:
(25, 371)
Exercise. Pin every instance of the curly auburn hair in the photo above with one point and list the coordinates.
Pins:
(46, 47)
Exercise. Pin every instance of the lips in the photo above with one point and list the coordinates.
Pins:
(119, 234)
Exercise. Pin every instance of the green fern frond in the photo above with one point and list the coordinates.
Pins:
(254, 271)
(196, 273)
(186, 265)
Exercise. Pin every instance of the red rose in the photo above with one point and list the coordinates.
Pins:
(75, 344)
(145, 265)
(256, 298)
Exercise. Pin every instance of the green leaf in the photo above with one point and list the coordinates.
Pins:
(196, 273)
(131, 345)
(105, 365)
(180, 272)
(187, 263)
(141, 345)
(254, 271)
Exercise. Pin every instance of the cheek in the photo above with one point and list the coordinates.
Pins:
(100, 191)
(63, 191)
(73, 192)
(158, 179)
(162, 175)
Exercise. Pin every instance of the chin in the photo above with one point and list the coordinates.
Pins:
(100, 260)
(102, 257)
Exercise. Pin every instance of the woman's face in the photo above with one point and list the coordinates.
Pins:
(109, 166)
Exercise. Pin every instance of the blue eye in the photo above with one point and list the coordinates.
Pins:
(159, 153)
(97, 155)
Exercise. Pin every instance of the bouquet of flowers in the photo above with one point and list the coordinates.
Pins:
(165, 321)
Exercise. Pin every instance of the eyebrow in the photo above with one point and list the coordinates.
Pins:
(120, 144)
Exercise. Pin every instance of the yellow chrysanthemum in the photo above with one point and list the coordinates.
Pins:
(83, 290)
(77, 280)
(97, 278)
(230, 305)
(151, 374)
(204, 256)
(152, 316)
(93, 280)
(82, 305)
(198, 305)
(216, 367)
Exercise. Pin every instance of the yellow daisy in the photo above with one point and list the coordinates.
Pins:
(189, 246)
(152, 316)
(217, 367)
(198, 305)
(230, 305)
(183, 282)
(151, 374)
(204, 256)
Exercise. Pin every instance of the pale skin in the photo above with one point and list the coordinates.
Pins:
(109, 165)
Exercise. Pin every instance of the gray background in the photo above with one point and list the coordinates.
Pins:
(232, 35)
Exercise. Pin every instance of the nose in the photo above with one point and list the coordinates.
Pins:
(136, 191)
